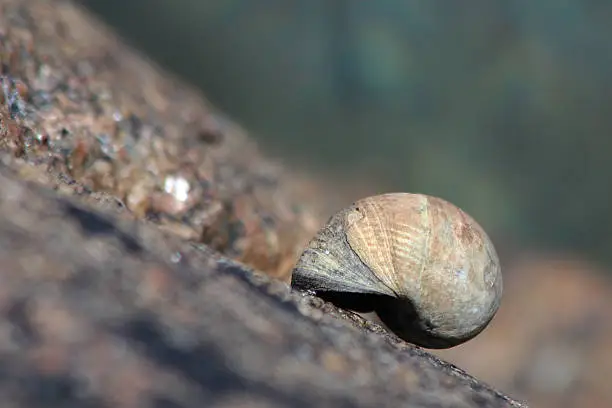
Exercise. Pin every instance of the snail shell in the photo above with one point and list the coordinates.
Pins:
(424, 266)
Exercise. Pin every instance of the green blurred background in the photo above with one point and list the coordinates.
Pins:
(502, 107)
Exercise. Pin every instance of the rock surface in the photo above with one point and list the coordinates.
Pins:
(80, 105)
(123, 198)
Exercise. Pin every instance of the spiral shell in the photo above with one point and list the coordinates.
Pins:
(427, 269)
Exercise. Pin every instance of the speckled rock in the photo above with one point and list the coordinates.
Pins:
(77, 103)
(100, 311)
(132, 222)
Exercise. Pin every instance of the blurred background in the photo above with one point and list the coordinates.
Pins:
(503, 108)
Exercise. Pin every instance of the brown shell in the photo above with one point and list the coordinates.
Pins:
(423, 265)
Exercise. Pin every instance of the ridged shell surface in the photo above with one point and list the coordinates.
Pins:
(435, 267)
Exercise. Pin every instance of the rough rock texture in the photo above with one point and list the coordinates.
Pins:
(122, 199)
(110, 313)
(79, 104)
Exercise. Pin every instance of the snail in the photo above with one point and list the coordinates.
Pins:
(426, 269)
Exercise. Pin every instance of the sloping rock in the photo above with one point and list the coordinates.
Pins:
(80, 105)
(99, 311)
(117, 288)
